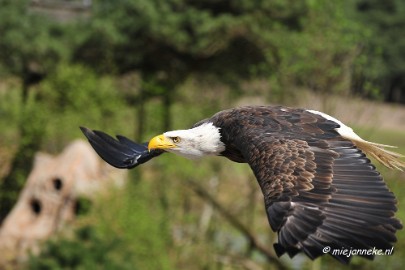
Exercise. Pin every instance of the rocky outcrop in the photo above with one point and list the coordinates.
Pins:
(49, 198)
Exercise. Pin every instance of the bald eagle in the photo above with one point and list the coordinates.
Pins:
(321, 193)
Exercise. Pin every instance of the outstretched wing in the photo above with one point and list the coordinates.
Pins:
(321, 194)
(320, 191)
(122, 153)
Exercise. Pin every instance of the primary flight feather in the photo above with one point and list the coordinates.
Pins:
(320, 190)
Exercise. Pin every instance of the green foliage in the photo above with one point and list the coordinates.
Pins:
(319, 56)
(28, 42)
(71, 96)
(76, 96)
(383, 49)
(88, 250)
(10, 110)
(124, 230)
(28, 50)
(173, 39)
(28, 119)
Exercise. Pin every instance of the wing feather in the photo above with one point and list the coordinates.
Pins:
(319, 188)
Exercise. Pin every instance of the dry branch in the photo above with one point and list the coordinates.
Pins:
(234, 221)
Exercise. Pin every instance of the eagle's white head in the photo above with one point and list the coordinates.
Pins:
(190, 143)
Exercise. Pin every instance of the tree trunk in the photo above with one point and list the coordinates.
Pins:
(167, 103)
(30, 140)
(141, 116)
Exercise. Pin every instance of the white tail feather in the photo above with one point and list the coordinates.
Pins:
(388, 158)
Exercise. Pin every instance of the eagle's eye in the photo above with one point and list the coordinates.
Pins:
(176, 139)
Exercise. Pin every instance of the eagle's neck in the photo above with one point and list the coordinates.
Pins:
(199, 141)
(208, 138)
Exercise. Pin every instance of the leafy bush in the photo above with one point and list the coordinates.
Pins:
(124, 230)
(74, 95)
(87, 250)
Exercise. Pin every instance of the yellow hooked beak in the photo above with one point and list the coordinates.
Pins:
(160, 142)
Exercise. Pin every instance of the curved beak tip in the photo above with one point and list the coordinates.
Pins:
(154, 143)
(160, 142)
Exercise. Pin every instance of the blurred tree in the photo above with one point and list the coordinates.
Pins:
(76, 95)
(384, 49)
(28, 50)
(166, 41)
(88, 250)
(29, 46)
(321, 55)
